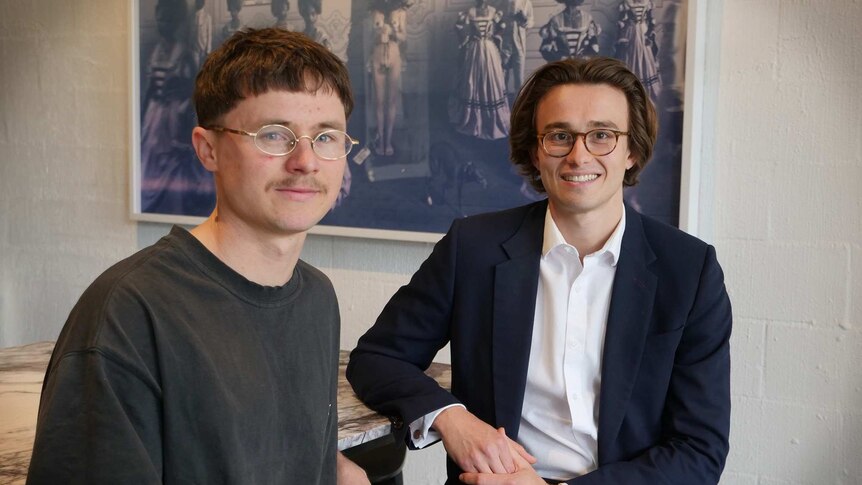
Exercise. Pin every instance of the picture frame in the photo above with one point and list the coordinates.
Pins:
(433, 167)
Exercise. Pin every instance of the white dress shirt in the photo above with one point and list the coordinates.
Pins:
(559, 419)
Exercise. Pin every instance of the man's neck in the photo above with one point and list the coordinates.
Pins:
(262, 258)
(587, 231)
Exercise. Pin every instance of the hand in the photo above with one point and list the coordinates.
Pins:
(477, 447)
(349, 473)
(524, 476)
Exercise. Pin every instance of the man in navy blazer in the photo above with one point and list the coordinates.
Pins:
(589, 343)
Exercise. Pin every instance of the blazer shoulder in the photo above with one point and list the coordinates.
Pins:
(671, 243)
(500, 224)
(672, 237)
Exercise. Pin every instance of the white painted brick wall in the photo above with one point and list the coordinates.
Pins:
(786, 208)
(64, 117)
(788, 215)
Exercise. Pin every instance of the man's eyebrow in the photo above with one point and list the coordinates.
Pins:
(602, 124)
(323, 125)
(563, 125)
(558, 125)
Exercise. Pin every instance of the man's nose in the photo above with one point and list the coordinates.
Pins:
(302, 158)
(579, 153)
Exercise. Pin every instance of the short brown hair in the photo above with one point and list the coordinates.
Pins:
(253, 62)
(643, 124)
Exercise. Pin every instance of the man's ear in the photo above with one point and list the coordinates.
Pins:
(631, 160)
(204, 143)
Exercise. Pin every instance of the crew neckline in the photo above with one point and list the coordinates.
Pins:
(245, 289)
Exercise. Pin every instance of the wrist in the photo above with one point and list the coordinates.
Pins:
(444, 421)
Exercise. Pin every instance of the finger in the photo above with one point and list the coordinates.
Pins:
(521, 463)
(506, 456)
(468, 466)
(480, 463)
(502, 463)
(469, 478)
(517, 448)
(479, 479)
(521, 451)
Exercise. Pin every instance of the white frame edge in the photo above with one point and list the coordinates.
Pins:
(692, 127)
(366, 233)
(135, 108)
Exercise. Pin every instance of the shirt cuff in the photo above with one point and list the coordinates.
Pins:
(421, 433)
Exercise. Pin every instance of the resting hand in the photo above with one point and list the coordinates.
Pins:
(477, 447)
(349, 473)
(524, 476)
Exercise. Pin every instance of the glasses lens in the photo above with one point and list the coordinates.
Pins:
(558, 143)
(601, 142)
(332, 144)
(275, 140)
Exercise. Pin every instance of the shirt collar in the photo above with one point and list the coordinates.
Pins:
(553, 237)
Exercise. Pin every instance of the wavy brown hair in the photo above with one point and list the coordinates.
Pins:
(253, 62)
(643, 123)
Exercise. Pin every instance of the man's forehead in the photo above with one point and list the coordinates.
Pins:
(595, 106)
(291, 107)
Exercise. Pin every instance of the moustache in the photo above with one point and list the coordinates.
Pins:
(298, 181)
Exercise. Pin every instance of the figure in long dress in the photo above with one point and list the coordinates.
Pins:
(173, 181)
(234, 7)
(389, 31)
(517, 17)
(570, 33)
(310, 12)
(637, 45)
(202, 35)
(478, 106)
(279, 11)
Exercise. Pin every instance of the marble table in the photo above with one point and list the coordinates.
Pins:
(23, 368)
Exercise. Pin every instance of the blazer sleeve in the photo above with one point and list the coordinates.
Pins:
(696, 417)
(386, 369)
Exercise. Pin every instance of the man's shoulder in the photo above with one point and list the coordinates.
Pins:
(492, 235)
(135, 270)
(503, 223)
(118, 294)
(669, 243)
(314, 277)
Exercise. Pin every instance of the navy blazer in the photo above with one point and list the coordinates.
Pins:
(664, 403)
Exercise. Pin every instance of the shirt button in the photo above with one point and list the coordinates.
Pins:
(417, 434)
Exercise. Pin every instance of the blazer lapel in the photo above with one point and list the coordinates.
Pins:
(632, 299)
(515, 283)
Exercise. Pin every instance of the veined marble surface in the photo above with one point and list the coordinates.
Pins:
(23, 368)
(21, 372)
(356, 423)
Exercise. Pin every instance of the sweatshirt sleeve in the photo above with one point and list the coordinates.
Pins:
(99, 422)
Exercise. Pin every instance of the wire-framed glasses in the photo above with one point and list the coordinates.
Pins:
(599, 142)
(279, 140)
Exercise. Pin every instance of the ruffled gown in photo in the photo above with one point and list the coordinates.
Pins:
(478, 106)
(173, 181)
(637, 46)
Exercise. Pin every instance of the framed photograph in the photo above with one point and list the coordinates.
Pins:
(434, 81)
